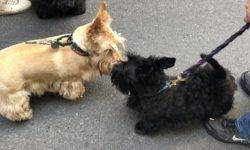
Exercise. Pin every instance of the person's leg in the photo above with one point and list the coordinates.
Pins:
(13, 6)
(243, 126)
(245, 82)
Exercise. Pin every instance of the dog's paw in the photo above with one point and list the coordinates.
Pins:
(140, 129)
(72, 90)
(145, 127)
(21, 115)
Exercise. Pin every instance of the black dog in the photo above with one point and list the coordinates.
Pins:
(56, 8)
(207, 93)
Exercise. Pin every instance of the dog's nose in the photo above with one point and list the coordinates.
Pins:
(118, 68)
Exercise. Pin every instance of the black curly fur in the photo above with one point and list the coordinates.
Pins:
(56, 8)
(207, 93)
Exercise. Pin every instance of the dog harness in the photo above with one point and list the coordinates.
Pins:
(168, 85)
(165, 87)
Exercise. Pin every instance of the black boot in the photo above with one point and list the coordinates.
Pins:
(225, 131)
(245, 82)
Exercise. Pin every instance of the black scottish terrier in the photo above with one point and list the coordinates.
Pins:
(56, 8)
(207, 93)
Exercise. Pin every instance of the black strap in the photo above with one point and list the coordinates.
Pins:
(78, 50)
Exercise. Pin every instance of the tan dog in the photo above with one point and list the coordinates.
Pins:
(36, 67)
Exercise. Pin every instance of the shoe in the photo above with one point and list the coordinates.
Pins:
(225, 131)
(13, 6)
(245, 82)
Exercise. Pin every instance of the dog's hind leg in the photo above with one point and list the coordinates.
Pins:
(220, 71)
(133, 103)
(15, 106)
(72, 90)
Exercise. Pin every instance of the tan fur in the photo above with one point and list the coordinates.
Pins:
(37, 68)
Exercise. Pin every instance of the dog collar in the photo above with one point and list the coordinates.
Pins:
(70, 42)
(164, 88)
(78, 50)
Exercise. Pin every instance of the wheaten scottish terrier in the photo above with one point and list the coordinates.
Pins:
(56, 64)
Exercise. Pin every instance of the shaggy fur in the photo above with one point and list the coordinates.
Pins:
(37, 68)
(207, 93)
(55, 8)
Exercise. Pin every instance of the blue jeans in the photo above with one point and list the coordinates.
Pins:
(243, 126)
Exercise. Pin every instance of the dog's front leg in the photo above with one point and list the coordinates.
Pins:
(133, 103)
(148, 126)
(72, 90)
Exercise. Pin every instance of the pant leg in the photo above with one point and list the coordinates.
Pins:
(243, 126)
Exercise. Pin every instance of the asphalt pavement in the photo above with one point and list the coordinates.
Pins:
(101, 120)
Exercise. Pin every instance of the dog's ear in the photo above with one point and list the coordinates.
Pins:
(97, 26)
(101, 22)
(165, 62)
(102, 18)
(132, 56)
(103, 13)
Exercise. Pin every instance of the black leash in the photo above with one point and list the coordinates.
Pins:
(189, 71)
(217, 50)
(10, 42)
(55, 44)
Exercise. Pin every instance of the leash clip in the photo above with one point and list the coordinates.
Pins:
(180, 78)
(55, 45)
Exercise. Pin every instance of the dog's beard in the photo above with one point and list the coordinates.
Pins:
(106, 65)
(123, 84)
(108, 60)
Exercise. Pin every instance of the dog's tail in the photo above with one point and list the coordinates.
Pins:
(220, 72)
